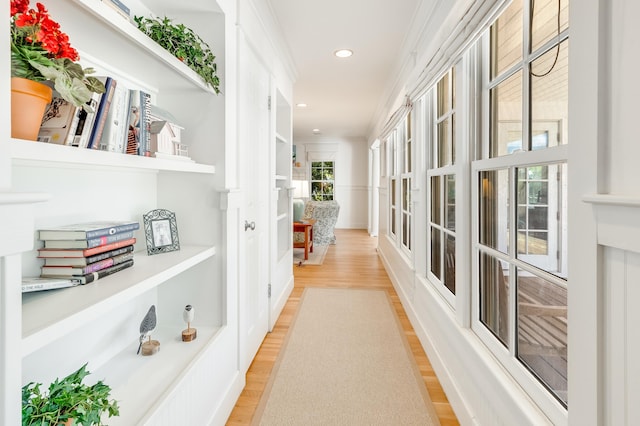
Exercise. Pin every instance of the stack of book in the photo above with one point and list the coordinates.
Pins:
(118, 120)
(86, 252)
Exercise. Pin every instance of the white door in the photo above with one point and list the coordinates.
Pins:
(253, 135)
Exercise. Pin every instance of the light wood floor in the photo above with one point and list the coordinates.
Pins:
(352, 262)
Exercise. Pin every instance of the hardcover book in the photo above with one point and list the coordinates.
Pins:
(83, 270)
(85, 123)
(102, 112)
(57, 121)
(30, 284)
(88, 230)
(89, 243)
(84, 261)
(119, 7)
(139, 123)
(114, 135)
(94, 276)
(45, 252)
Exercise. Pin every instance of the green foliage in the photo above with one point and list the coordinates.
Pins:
(184, 44)
(65, 399)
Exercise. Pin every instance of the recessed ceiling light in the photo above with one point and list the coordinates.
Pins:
(301, 105)
(316, 131)
(343, 53)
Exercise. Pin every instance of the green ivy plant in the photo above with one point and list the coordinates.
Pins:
(66, 399)
(184, 44)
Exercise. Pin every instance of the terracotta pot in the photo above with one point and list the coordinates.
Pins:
(28, 102)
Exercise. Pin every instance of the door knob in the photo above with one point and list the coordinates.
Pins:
(248, 225)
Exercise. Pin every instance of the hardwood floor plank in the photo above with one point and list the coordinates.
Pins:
(352, 263)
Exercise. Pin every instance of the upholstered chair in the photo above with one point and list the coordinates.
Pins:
(326, 215)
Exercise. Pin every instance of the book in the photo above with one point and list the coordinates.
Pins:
(89, 243)
(114, 135)
(85, 123)
(45, 252)
(94, 276)
(101, 113)
(31, 284)
(57, 121)
(84, 261)
(139, 123)
(83, 270)
(87, 230)
(119, 7)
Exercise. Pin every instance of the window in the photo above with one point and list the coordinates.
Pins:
(521, 190)
(405, 178)
(322, 180)
(393, 181)
(442, 186)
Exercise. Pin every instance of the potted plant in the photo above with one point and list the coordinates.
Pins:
(68, 401)
(41, 52)
(184, 44)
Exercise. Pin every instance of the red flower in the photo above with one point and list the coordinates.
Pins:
(19, 6)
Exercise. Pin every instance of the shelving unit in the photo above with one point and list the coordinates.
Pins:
(57, 331)
(282, 212)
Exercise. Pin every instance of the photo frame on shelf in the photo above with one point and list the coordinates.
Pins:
(161, 231)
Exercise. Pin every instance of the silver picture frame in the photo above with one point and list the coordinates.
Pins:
(161, 231)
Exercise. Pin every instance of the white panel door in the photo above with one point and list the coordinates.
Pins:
(253, 110)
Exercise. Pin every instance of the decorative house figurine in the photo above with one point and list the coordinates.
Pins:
(147, 326)
(190, 333)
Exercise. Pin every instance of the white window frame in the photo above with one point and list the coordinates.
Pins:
(559, 154)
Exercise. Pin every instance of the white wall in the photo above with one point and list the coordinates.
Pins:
(351, 162)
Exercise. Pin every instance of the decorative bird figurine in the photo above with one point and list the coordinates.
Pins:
(187, 315)
(147, 325)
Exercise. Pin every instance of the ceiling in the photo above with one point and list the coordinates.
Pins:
(343, 95)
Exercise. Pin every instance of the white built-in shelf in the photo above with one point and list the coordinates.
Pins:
(107, 26)
(141, 383)
(30, 151)
(280, 138)
(282, 216)
(281, 177)
(48, 315)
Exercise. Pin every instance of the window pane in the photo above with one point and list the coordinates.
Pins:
(506, 39)
(406, 194)
(542, 201)
(506, 116)
(444, 131)
(406, 230)
(549, 18)
(494, 209)
(443, 96)
(450, 263)
(550, 93)
(542, 331)
(393, 191)
(435, 200)
(494, 296)
(436, 250)
(452, 142)
(450, 207)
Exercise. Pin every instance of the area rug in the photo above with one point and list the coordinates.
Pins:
(345, 361)
(315, 258)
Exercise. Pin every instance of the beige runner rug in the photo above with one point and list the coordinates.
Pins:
(345, 362)
(314, 258)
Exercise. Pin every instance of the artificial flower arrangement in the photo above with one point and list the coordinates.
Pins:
(40, 51)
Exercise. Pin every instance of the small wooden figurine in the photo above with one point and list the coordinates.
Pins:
(190, 333)
(147, 326)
